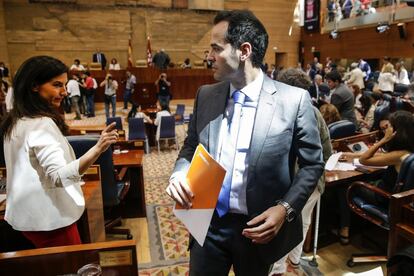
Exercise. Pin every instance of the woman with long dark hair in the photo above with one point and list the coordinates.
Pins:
(44, 197)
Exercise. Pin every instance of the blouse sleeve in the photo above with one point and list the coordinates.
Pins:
(44, 141)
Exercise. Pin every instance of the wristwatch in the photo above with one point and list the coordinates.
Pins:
(290, 212)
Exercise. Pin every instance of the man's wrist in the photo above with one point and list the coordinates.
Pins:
(290, 212)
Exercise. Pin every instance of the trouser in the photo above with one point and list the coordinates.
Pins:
(75, 106)
(164, 100)
(90, 98)
(110, 100)
(226, 246)
(127, 98)
(295, 253)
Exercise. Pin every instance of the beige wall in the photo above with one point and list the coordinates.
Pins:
(76, 31)
(4, 53)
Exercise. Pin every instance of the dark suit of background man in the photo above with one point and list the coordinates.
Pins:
(99, 57)
(161, 59)
(257, 217)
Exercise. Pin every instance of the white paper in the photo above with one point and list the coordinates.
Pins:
(332, 161)
(197, 221)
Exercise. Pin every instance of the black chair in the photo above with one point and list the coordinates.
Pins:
(341, 129)
(167, 130)
(379, 114)
(378, 212)
(136, 131)
(113, 189)
(400, 89)
(179, 114)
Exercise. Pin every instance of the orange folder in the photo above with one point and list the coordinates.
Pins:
(205, 178)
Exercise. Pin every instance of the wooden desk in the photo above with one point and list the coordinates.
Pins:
(333, 178)
(115, 258)
(135, 199)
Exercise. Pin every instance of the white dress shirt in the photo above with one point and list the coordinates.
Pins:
(73, 88)
(43, 181)
(241, 160)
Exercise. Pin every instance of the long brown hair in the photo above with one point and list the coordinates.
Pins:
(33, 72)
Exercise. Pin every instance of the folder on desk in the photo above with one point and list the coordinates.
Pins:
(205, 178)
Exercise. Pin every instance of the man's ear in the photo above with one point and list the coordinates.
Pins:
(246, 51)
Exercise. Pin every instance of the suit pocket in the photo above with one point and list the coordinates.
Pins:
(278, 144)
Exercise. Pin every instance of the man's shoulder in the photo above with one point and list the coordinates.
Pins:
(214, 87)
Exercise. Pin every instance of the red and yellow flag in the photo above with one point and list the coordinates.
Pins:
(149, 53)
(130, 54)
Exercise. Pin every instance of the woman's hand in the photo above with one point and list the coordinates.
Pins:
(389, 134)
(108, 137)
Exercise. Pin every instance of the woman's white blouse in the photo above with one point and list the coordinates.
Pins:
(43, 181)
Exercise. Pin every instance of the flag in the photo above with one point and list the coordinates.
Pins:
(129, 54)
(149, 54)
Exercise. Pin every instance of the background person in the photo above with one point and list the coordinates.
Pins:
(44, 197)
(111, 87)
(164, 94)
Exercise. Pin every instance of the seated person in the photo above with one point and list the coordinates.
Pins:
(330, 113)
(114, 65)
(186, 64)
(397, 141)
(136, 112)
(164, 111)
(77, 66)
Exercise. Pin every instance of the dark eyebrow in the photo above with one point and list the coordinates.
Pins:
(215, 45)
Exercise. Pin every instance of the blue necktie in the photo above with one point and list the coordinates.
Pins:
(228, 151)
(98, 57)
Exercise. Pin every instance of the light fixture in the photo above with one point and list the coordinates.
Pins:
(382, 27)
(334, 34)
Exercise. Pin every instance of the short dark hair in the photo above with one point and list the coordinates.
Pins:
(295, 77)
(334, 76)
(32, 73)
(243, 27)
(403, 124)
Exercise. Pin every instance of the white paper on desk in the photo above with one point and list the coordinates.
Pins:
(333, 164)
(373, 272)
(332, 161)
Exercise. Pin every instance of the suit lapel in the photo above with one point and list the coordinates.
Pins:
(218, 107)
(264, 115)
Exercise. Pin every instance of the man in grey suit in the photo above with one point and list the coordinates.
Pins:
(341, 97)
(256, 128)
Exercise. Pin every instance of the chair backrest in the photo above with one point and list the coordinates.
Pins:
(141, 63)
(136, 129)
(81, 144)
(341, 129)
(198, 64)
(180, 109)
(167, 127)
(400, 88)
(118, 121)
(405, 180)
(379, 113)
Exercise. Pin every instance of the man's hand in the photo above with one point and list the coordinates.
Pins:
(270, 222)
(179, 190)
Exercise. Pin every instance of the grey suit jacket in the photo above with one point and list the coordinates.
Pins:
(285, 130)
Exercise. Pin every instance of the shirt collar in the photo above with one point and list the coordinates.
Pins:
(252, 90)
